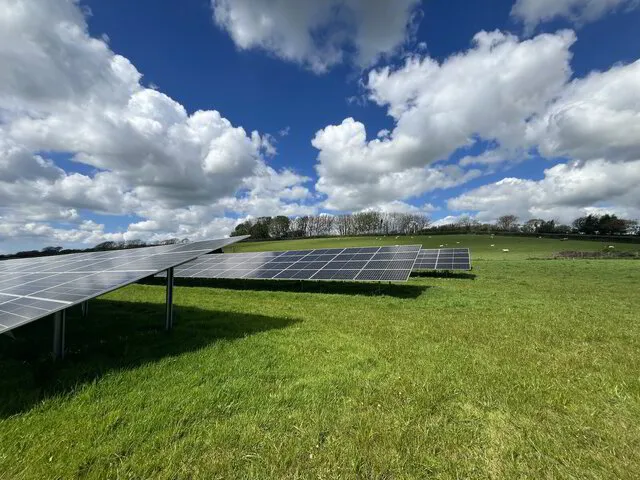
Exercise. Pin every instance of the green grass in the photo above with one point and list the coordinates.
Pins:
(530, 370)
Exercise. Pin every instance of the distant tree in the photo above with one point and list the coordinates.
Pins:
(169, 241)
(633, 227)
(260, 229)
(279, 226)
(324, 224)
(547, 226)
(367, 222)
(243, 228)
(28, 253)
(507, 222)
(532, 226)
(106, 246)
(51, 250)
(467, 224)
(344, 225)
(589, 225)
(612, 225)
(135, 243)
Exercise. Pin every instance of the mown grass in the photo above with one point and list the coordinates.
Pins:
(528, 370)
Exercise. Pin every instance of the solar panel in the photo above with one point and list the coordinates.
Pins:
(33, 288)
(360, 264)
(443, 259)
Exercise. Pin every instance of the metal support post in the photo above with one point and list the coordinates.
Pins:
(169, 319)
(59, 320)
(85, 308)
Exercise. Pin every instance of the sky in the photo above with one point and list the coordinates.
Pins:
(148, 120)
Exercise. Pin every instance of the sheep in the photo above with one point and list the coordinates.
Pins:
(505, 249)
(611, 246)
(441, 246)
(493, 244)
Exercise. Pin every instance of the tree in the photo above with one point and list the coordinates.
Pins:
(548, 226)
(633, 227)
(612, 225)
(507, 222)
(243, 228)
(171, 241)
(467, 223)
(532, 226)
(300, 226)
(106, 246)
(589, 225)
(344, 225)
(260, 228)
(135, 243)
(279, 226)
(51, 250)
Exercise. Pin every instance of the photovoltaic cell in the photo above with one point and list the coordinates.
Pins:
(360, 264)
(32, 288)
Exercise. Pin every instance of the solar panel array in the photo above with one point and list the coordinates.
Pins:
(32, 288)
(359, 264)
(443, 259)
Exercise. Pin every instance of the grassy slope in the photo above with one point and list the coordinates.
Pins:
(520, 248)
(530, 370)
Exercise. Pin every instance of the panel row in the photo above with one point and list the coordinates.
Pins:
(27, 294)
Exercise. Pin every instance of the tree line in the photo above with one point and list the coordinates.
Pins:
(380, 223)
(363, 223)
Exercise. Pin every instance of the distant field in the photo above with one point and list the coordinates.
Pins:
(520, 248)
(523, 369)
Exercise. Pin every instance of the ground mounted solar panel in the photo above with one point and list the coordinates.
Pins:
(33, 288)
(393, 264)
(443, 259)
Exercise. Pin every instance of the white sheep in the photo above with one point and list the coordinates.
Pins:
(611, 246)
(505, 249)
(493, 245)
(441, 246)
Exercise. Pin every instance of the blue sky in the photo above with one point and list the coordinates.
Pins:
(529, 107)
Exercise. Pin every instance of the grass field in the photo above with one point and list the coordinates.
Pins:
(524, 369)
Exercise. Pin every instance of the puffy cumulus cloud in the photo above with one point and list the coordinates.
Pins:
(42, 232)
(452, 219)
(317, 34)
(533, 12)
(488, 92)
(47, 58)
(62, 90)
(17, 163)
(567, 191)
(397, 206)
(151, 145)
(595, 117)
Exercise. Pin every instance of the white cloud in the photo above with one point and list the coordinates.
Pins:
(566, 192)
(488, 92)
(63, 91)
(284, 131)
(397, 206)
(318, 34)
(533, 12)
(595, 117)
(450, 219)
